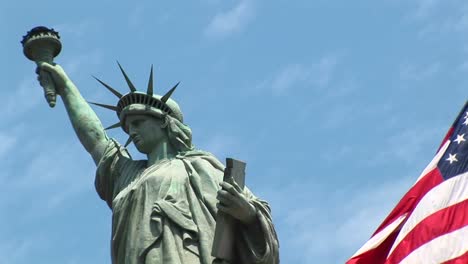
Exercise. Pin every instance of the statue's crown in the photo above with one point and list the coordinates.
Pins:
(136, 102)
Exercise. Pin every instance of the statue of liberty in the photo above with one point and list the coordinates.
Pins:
(163, 208)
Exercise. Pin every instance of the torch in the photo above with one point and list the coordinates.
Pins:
(42, 44)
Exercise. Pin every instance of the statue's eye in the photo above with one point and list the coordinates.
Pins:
(137, 123)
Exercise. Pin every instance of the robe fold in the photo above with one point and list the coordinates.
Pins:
(166, 213)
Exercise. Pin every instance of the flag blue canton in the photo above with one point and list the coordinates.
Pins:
(455, 160)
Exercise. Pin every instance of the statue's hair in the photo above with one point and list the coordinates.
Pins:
(179, 134)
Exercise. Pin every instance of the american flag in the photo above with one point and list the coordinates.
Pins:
(430, 223)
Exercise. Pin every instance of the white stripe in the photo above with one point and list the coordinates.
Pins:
(435, 160)
(378, 238)
(440, 249)
(449, 192)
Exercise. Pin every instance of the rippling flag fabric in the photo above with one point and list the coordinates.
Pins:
(430, 223)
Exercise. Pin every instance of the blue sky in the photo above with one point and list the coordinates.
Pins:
(336, 106)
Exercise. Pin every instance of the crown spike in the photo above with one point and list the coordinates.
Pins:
(129, 140)
(130, 84)
(113, 126)
(111, 107)
(169, 93)
(119, 95)
(150, 83)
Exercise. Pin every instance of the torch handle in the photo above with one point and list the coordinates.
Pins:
(48, 85)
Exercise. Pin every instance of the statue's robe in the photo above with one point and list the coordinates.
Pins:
(166, 213)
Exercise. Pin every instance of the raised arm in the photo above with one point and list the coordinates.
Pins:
(87, 125)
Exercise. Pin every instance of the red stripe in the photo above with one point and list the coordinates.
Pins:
(463, 259)
(407, 204)
(442, 222)
(412, 197)
(376, 255)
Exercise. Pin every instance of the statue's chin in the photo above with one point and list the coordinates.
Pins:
(141, 148)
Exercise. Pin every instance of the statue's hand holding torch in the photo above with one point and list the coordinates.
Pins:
(42, 45)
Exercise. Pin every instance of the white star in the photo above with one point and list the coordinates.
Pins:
(466, 115)
(460, 138)
(452, 158)
(466, 122)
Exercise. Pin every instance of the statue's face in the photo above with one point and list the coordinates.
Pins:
(146, 132)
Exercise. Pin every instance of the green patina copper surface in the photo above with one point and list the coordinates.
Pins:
(164, 208)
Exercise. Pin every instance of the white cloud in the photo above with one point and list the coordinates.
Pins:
(341, 116)
(464, 66)
(51, 177)
(7, 142)
(438, 17)
(289, 77)
(18, 249)
(136, 15)
(411, 72)
(457, 24)
(331, 225)
(15, 251)
(231, 21)
(53, 164)
(405, 145)
(425, 8)
(222, 145)
(344, 88)
(77, 30)
(76, 64)
(462, 23)
(408, 145)
(319, 74)
(61, 196)
(26, 96)
(29, 93)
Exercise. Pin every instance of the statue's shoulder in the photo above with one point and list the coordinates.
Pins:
(199, 157)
